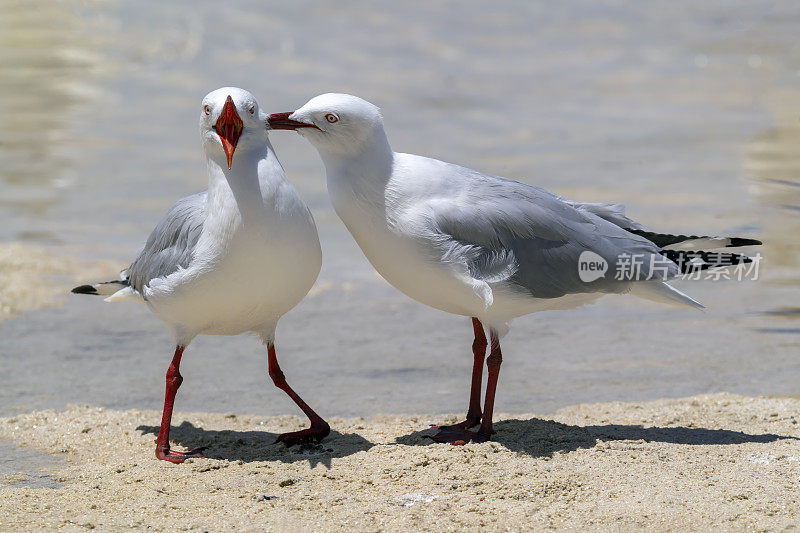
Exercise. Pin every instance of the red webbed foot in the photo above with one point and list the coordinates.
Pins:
(315, 433)
(458, 436)
(469, 423)
(165, 454)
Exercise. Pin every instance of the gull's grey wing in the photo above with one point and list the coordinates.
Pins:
(171, 244)
(614, 213)
(510, 232)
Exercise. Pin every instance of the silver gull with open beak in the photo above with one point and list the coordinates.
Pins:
(231, 259)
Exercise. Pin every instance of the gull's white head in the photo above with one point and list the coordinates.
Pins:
(334, 123)
(230, 119)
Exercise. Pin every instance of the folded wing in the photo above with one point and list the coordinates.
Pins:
(171, 244)
(505, 231)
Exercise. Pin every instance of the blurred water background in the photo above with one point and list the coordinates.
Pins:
(688, 112)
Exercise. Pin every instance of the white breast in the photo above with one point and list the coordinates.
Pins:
(401, 258)
(251, 265)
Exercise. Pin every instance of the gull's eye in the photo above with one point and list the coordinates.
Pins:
(207, 109)
(331, 118)
(252, 110)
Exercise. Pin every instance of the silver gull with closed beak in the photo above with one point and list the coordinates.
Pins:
(483, 246)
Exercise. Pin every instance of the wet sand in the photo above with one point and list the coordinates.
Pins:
(714, 461)
(31, 277)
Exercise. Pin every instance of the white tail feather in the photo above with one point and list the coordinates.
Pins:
(109, 287)
(658, 291)
(125, 295)
(702, 243)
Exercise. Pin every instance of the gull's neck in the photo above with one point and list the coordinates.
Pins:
(361, 175)
(244, 187)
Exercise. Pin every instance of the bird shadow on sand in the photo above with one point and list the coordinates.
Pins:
(543, 438)
(251, 446)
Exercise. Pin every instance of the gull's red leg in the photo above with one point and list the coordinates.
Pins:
(457, 435)
(474, 410)
(319, 428)
(493, 363)
(479, 354)
(174, 380)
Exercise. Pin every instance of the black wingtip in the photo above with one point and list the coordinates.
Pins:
(686, 259)
(663, 240)
(740, 241)
(85, 289)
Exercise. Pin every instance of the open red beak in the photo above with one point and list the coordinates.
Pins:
(229, 128)
(281, 121)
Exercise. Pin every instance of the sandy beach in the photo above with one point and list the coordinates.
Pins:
(717, 461)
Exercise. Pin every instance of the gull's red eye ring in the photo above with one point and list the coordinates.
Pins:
(331, 118)
(207, 109)
(252, 110)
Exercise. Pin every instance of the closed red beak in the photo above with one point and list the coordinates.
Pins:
(281, 121)
(229, 128)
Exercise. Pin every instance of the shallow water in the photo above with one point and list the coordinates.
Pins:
(687, 113)
(23, 466)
